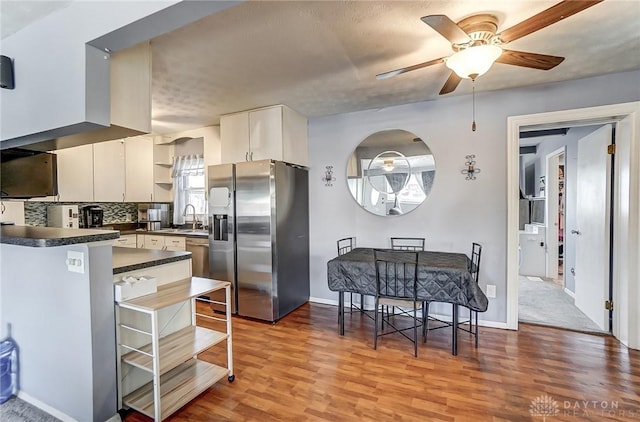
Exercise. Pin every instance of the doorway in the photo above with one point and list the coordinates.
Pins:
(625, 209)
(547, 294)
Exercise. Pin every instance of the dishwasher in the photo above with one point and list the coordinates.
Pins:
(199, 249)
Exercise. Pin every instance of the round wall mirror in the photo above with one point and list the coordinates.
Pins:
(391, 172)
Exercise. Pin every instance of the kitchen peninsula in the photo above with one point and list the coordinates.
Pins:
(56, 294)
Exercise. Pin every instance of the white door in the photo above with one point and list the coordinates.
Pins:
(75, 174)
(108, 171)
(592, 231)
(551, 219)
(265, 134)
(234, 138)
(139, 169)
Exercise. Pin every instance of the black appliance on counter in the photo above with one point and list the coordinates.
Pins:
(91, 216)
(27, 174)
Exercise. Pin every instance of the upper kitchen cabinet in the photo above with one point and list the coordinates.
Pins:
(109, 171)
(276, 132)
(75, 174)
(139, 169)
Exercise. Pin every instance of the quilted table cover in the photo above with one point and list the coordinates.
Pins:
(442, 277)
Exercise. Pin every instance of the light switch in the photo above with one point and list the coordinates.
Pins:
(75, 262)
(491, 290)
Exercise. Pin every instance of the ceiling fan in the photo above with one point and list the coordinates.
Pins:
(477, 45)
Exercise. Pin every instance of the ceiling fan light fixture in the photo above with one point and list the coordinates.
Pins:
(473, 61)
(388, 165)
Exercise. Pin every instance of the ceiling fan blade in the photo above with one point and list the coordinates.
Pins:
(532, 60)
(451, 84)
(408, 69)
(545, 18)
(447, 28)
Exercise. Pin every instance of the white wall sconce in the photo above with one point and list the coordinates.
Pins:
(471, 169)
(328, 176)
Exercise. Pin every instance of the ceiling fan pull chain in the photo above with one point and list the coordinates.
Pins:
(473, 101)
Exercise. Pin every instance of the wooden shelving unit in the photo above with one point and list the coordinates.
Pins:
(177, 375)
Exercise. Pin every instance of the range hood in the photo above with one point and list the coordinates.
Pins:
(118, 95)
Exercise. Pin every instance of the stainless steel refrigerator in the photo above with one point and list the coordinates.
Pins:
(259, 235)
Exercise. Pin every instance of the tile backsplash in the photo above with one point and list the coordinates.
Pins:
(35, 213)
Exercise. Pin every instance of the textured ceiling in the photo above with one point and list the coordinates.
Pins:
(16, 15)
(321, 58)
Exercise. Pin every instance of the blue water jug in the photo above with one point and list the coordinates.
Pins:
(8, 369)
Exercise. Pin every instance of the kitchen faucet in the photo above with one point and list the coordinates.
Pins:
(195, 219)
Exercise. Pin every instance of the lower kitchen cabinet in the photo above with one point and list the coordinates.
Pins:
(177, 375)
(175, 243)
(126, 241)
(167, 243)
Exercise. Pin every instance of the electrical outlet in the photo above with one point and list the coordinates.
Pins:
(491, 290)
(75, 262)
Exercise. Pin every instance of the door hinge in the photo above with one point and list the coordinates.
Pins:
(611, 149)
(608, 305)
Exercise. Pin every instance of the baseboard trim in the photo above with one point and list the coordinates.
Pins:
(55, 412)
(481, 322)
(45, 407)
(570, 293)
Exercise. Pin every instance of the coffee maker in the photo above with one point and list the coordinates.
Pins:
(91, 216)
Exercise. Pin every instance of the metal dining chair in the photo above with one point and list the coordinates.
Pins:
(474, 270)
(407, 243)
(476, 252)
(345, 245)
(396, 286)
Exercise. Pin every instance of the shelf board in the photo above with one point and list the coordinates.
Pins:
(176, 348)
(177, 387)
(163, 182)
(170, 294)
(162, 163)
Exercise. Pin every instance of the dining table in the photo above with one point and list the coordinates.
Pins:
(441, 277)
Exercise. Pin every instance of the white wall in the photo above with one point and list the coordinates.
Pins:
(457, 212)
(63, 324)
(49, 64)
(12, 212)
(62, 80)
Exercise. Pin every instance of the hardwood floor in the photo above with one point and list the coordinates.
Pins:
(300, 369)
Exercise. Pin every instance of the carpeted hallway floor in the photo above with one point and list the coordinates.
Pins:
(546, 303)
(16, 410)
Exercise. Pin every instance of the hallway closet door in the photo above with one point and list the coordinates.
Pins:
(592, 231)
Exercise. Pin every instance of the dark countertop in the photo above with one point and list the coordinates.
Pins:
(131, 259)
(45, 237)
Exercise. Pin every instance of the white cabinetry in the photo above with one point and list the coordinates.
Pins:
(276, 132)
(168, 243)
(139, 169)
(532, 253)
(234, 137)
(152, 241)
(75, 174)
(109, 171)
(175, 243)
(126, 241)
(177, 376)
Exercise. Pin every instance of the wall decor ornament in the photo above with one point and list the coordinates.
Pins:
(328, 176)
(391, 172)
(471, 170)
